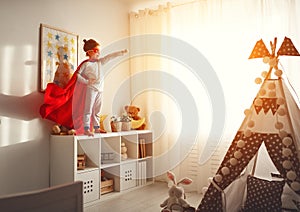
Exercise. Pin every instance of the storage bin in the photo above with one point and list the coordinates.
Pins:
(91, 182)
(126, 125)
(107, 186)
(128, 175)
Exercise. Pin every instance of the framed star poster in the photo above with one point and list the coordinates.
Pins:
(58, 50)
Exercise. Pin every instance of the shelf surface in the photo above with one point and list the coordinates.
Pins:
(115, 134)
(108, 165)
(87, 169)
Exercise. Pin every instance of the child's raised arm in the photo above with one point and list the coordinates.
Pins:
(108, 57)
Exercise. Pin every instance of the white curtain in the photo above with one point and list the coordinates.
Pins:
(223, 33)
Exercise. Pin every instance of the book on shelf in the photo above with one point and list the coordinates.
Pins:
(142, 148)
(141, 173)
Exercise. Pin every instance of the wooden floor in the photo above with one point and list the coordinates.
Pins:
(146, 199)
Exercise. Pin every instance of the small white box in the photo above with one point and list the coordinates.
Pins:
(91, 184)
(128, 176)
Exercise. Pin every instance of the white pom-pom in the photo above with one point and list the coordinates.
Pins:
(291, 175)
(233, 161)
(225, 170)
(240, 144)
(247, 112)
(278, 72)
(237, 154)
(280, 101)
(258, 102)
(295, 186)
(209, 180)
(278, 125)
(262, 92)
(286, 152)
(251, 123)
(266, 60)
(264, 74)
(281, 111)
(248, 133)
(287, 141)
(287, 164)
(218, 178)
(258, 80)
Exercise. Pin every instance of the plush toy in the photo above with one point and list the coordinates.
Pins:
(124, 155)
(64, 71)
(176, 201)
(102, 118)
(61, 130)
(132, 111)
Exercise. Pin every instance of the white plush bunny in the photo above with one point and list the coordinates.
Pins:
(176, 195)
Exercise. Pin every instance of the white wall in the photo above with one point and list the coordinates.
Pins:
(24, 136)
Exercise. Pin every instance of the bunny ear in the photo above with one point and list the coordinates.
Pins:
(171, 176)
(185, 181)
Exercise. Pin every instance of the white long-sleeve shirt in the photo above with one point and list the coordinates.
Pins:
(92, 70)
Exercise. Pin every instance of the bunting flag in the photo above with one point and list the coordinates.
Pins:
(260, 50)
(287, 48)
(267, 104)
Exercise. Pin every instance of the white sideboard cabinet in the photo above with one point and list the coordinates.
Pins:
(103, 161)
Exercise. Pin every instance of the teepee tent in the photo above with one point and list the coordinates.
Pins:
(271, 128)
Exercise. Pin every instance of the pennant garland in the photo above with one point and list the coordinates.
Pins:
(260, 50)
(267, 104)
(287, 48)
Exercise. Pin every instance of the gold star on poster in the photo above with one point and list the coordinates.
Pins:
(49, 44)
(50, 36)
(66, 39)
(48, 62)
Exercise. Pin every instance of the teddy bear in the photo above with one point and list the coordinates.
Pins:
(61, 130)
(64, 71)
(132, 111)
(176, 201)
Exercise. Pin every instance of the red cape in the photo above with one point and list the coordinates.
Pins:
(65, 105)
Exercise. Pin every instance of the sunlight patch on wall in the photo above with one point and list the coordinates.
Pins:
(14, 131)
(6, 65)
(29, 75)
(18, 76)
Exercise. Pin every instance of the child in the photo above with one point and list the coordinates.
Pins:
(91, 75)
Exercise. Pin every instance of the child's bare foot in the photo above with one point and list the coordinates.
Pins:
(99, 131)
(88, 133)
